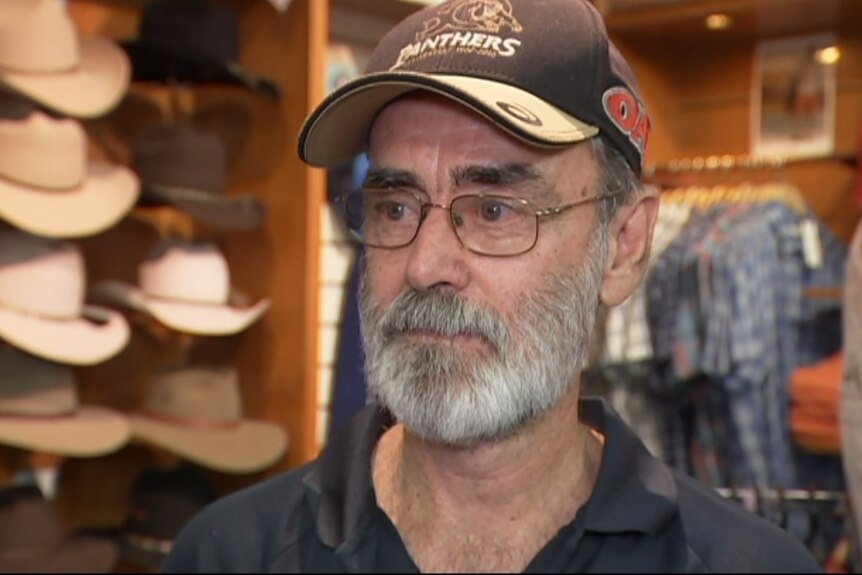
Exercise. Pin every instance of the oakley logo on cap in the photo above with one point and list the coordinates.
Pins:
(627, 114)
(520, 113)
(471, 25)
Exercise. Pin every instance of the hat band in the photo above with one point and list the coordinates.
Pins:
(149, 543)
(198, 423)
(38, 418)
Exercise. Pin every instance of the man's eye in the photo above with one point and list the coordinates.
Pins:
(493, 210)
(391, 210)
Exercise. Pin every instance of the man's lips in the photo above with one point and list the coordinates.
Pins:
(461, 339)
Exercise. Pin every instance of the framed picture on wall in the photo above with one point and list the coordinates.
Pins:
(793, 99)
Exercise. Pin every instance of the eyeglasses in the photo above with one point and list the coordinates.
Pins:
(486, 224)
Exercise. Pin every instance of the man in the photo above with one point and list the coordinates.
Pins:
(501, 205)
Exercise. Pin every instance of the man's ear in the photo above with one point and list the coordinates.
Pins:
(629, 246)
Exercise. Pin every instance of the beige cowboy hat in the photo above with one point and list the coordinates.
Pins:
(186, 286)
(43, 57)
(42, 311)
(196, 413)
(39, 410)
(47, 186)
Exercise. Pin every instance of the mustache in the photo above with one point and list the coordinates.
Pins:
(443, 314)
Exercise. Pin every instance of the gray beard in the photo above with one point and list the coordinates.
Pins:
(459, 397)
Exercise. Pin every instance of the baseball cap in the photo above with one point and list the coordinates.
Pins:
(543, 70)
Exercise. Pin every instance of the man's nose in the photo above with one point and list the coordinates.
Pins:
(437, 258)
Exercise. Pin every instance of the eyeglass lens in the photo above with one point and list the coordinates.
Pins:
(487, 224)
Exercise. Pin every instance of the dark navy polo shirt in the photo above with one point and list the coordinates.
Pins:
(641, 517)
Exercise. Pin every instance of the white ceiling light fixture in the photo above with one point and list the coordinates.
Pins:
(718, 21)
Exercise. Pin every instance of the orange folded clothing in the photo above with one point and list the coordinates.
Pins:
(816, 435)
(818, 386)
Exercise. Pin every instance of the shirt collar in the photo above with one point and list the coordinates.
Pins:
(634, 491)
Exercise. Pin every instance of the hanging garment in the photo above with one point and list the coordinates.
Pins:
(349, 389)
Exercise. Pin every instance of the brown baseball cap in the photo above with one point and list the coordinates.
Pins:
(546, 72)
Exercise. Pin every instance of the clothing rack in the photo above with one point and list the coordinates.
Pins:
(778, 494)
(727, 162)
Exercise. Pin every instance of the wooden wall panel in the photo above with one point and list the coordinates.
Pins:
(700, 100)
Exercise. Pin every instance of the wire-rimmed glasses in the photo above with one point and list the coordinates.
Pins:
(486, 224)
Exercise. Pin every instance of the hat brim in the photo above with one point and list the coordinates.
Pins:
(89, 432)
(224, 212)
(137, 557)
(107, 194)
(92, 89)
(247, 447)
(338, 128)
(73, 342)
(185, 317)
(79, 554)
(153, 62)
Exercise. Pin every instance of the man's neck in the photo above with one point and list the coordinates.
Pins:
(521, 490)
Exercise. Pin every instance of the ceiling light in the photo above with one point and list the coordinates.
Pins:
(718, 21)
(828, 55)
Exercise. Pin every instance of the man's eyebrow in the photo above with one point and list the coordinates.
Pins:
(377, 177)
(512, 173)
(507, 175)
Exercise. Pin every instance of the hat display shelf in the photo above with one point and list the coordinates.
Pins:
(269, 258)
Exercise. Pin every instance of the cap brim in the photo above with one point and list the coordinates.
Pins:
(248, 447)
(89, 432)
(107, 194)
(73, 342)
(92, 89)
(338, 128)
(224, 212)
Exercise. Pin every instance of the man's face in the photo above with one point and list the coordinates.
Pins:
(463, 347)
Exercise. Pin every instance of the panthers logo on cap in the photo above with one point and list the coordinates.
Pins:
(471, 15)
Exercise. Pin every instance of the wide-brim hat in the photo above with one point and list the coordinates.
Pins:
(185, 285)
(191, 41)
(47, 185)
(184, 316)
(98, 335)
(39, 410)
(42, 286)
(548, 76)
(90, 431)
(45, 59)
(33, 539)
(162, 502)
(106, 195)
(195, 412)
(185, 167)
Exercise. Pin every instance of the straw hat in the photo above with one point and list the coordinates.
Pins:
(47, 187)
(42, 311)
(33, 539)
(43, 57)
(186, 286)
(196, 413)
(39, 410)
